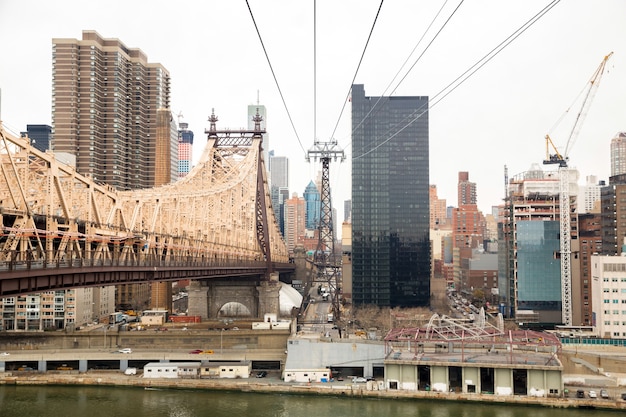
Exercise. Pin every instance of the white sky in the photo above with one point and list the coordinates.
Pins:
(498, 117)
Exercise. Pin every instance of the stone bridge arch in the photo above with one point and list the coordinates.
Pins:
(208, 297)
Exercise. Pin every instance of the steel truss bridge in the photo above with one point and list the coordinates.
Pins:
(61, 229)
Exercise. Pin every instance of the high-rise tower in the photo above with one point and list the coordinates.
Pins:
(279, 187)
(390, 200)
(110, 108)
(185, 149)
(313, 206)
(466, 189)
(618, 154)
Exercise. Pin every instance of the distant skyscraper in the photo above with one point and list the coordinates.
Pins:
(110, 108)
(313, 206)
(466, 190)
(390, 200)
(347, 211)
(279, 186)
(185, 149)
(438, 213)
(39, 136)
(618, 154)
(589, 201)
(279, 172)
(294, 221)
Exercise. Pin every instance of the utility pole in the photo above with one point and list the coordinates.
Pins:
(328, 266)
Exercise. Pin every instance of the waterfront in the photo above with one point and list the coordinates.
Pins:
(95, 401)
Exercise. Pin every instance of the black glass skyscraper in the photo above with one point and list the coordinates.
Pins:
(390, 200)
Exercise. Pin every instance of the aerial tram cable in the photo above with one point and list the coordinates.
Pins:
(374, 107)
(275, 79)
(443, 93)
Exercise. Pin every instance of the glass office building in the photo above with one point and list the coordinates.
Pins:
(313, 206)
(390, 200)
(538, 269)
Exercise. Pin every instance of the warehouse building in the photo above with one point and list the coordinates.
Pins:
(452, 355)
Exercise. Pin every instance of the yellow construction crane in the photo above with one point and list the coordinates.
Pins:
(592, 87)
(564, 197)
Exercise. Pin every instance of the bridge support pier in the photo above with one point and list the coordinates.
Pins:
(258, 297)
(269, 296)
(197, 299)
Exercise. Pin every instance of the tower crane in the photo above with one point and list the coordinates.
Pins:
(564, 192)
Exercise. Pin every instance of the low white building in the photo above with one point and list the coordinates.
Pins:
(608, 289)
(307, 375)
(197, 369)
(161, 370)
(226, 369)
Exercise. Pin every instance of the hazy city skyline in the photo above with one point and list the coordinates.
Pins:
(498, 117)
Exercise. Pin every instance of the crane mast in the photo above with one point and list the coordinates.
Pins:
(564, 193)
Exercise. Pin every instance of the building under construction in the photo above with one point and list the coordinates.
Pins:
(459, 355)
(530, 253)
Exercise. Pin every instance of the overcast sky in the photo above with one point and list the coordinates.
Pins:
(498, 117)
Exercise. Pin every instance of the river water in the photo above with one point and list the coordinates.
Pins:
(96, 401)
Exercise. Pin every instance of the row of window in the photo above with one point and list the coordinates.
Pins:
(615, 323)
(608, 312)
(611, 267)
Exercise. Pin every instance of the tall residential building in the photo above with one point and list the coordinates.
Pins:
(39, 136)
(438, 212)
(313, 206)
(590, 234)
(618, 154)
(466, 190)
(468, 227)
(589, 201)
(185, 149)
(110, 108)
(613, 215)
(57, 309)
(391, 263)
(294, 222)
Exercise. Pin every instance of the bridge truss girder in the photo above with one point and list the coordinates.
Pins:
(51, 213)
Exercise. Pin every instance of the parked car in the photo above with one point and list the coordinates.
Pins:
(125, 350)
(623, 396)
(196, 351)
(130, 371)
(4, 354)
(592, 394)
(604, 394)
(358, 379)
(580, 394)
(261, 374)
(64, 367)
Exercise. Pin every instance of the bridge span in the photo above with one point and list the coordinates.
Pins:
(62, 229)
